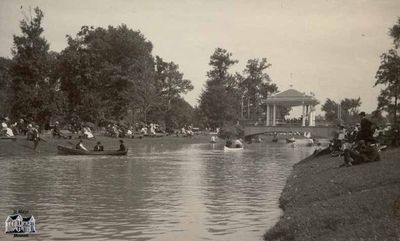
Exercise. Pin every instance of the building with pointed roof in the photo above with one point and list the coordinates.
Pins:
(291, 98)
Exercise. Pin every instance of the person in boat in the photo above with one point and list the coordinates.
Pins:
(121, 146)
(238, 143)
(98, 147)
(213, 139)
(56, 130)
(229, 143)
(275, 139)
(80, 146)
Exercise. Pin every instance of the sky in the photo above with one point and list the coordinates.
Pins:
(329, 47)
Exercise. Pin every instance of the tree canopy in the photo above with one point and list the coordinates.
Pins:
(388, 76)
(349, 109)
(104, 74)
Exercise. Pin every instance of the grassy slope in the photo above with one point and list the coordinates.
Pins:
(324, 202)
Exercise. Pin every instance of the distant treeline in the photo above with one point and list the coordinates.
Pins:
(103, 75)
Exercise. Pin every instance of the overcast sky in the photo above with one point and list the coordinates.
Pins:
(329, 47)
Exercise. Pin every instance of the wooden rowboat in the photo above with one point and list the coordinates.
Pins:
(233, 148)
(71, 151)
(290, 140)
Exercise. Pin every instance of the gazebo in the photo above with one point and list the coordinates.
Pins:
(291, 98)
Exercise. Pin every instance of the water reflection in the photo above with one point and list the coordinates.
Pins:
(161, 191)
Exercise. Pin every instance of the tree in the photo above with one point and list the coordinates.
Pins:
(349, 109)
(388, 75)
(105, 72)
(179, 115)
(108, 73)
(5, 86)
(220, 101)
(31, 73)
(330, 108)
(256, 85)
(171, 85)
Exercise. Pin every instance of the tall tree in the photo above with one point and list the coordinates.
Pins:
(5, 86)
(349, 109)
(256, 85)
(388, 75)
(105, 72)
(31, 72)
(220, 101)
(330, 107)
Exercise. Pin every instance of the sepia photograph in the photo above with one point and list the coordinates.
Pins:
(214, 120)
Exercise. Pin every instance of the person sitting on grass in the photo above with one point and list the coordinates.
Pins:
(364, 152)
(80, 146)
(98, 147)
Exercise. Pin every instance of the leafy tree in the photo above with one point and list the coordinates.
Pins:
(349, 110)
(179, 115)
(256, 85)
(5, 86)
(220, 101)
(388, 75)
(330, 108)
(105, 70)
(171, 85)
(32, 78)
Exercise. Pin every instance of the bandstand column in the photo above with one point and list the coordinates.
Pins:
(303, 117)
(267, 117)
(274, 116)
(312, 118)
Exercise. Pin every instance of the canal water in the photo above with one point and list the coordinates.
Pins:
(164, 191)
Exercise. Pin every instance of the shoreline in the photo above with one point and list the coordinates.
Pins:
(323, 202)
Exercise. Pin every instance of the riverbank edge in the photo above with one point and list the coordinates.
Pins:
(321, 201)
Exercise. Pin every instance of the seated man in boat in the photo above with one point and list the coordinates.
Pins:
(80, 146)
(229, 143)
(56, 130)
(98, 147)
(122, 146)
(237, 143)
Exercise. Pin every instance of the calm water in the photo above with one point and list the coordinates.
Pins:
(159, 191)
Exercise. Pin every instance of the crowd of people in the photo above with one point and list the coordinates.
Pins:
(360, 143)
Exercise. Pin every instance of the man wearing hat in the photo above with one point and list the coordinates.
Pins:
(366, 131)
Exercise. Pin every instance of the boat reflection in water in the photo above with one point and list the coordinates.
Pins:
(159, 191)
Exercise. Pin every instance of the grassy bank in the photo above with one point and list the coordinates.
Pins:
(323, 202)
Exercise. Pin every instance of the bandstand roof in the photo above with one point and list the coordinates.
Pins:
(291, 97)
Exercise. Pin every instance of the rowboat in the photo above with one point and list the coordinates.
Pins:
(290, 140)
(71, 151)
(233, 148)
